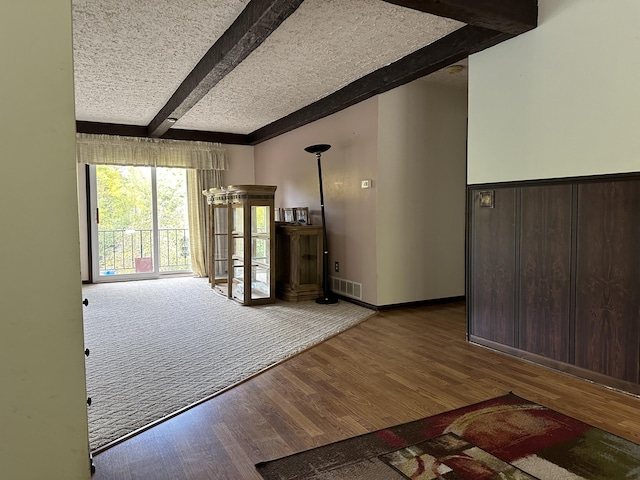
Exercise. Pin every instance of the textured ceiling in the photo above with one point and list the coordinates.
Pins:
(131, 56)
(322, 47)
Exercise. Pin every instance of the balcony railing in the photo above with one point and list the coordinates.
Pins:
(131, 251)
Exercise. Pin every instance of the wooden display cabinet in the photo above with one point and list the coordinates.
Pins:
(218, 239)
(242, 243)
(299, 262)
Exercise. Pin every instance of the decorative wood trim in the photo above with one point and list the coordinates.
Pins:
(601, 339)
(493, 267)
(256, 22)
(607, 177)
(574, 268)
(607, 333)
(517, 270)
(123, 130)
(119, 129)
(449, 49)
(509, 16)
(545, 270)
(203, 136)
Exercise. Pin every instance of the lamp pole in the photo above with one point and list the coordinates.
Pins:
(327, 298)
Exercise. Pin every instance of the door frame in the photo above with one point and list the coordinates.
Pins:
(94, 250)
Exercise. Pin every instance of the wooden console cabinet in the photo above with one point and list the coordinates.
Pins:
(299, 262)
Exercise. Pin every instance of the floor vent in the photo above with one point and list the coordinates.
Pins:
(346, 287)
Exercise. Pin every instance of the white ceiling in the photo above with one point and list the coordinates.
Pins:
(130, 57)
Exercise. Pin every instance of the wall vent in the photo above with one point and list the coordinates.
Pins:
(346, 287)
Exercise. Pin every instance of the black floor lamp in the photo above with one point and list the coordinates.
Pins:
(326, 298)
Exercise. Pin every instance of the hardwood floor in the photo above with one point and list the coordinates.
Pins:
(398, 366)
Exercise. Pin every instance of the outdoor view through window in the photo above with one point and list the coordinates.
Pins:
(143, 223)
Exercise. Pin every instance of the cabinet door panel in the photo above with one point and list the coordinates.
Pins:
(608, 278)
(545, 270)
(492, 314)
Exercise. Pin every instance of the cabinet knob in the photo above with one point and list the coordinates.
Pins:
(85, 302)
(89, 401)
(87, 352)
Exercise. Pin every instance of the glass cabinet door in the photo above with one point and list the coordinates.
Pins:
(260, 252)
(237, 254)
(221, 244)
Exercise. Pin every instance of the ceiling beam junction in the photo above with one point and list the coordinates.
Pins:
(489, 22)
(508, 16)
(256, 22)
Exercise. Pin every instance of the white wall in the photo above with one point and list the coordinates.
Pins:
(404, 238)
(241, 169)
(350, 211)
(561, 100)
(43, 417)
(421, 191)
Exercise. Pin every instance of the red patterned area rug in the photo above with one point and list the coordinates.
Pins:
(504, 438)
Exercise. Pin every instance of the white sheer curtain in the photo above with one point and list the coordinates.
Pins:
(197, 181)
(204, 162)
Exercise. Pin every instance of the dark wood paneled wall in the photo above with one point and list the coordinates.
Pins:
(554, 275)
(545, 270)
(494, 269)
(608, 278)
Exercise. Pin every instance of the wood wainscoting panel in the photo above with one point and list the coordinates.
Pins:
(493, 266)
(545, 270)
(607, 329)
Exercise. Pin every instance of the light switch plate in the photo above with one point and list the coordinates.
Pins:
(365, 184)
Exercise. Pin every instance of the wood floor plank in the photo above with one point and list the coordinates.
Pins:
(398, 366)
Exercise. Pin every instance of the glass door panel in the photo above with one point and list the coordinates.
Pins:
(173, 220)
(237, 245)
(260, 220)
(260, 252)
(260, 282)
(221, 247)
(130, 203)
(124, 217)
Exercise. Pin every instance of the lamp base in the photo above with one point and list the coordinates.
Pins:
(327, 300)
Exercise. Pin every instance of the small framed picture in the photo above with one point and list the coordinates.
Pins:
(486, 199)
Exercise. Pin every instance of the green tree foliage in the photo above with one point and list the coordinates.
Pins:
(125, 198)
(172, 198)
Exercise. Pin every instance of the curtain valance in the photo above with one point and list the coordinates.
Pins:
(149, 152)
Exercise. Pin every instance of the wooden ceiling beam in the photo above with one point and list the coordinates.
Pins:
(124, 130)
(256, 22)
(508, 16)
(449, 49)
(120, 129)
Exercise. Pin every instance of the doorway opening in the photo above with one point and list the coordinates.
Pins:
(140, 226)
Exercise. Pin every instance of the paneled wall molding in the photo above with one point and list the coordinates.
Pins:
(609, 177)
(554, 274)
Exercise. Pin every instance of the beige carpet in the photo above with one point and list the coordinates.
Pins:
(160, 345)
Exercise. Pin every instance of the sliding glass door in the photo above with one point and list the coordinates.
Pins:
(140, 224)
